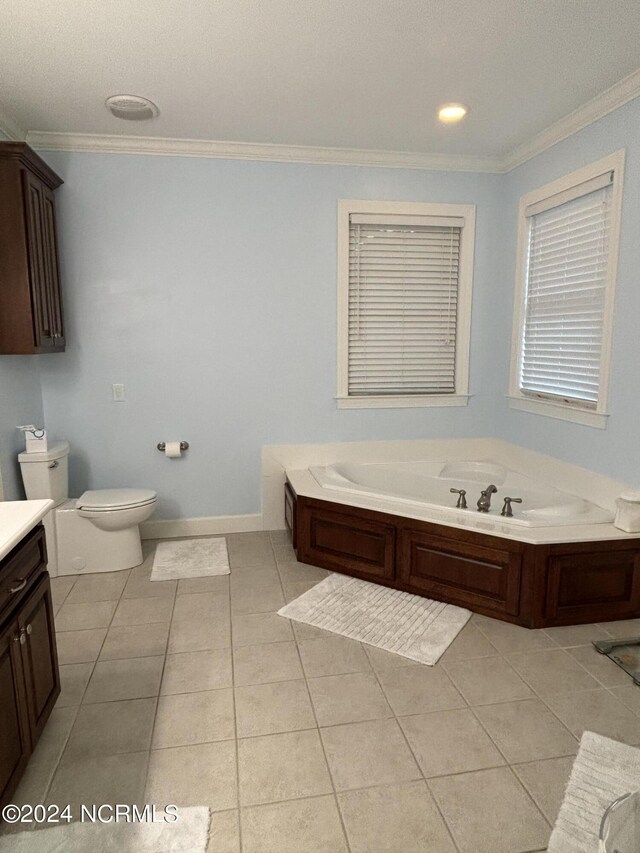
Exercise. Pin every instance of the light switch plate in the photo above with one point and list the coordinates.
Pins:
(118, 393)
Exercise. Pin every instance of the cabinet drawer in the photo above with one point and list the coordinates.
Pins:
(20, 568)
(344, 543)
(461, 572)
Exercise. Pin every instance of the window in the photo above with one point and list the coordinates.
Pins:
(404, 303)
(567, 253)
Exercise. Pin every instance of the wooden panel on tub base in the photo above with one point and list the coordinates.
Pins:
(535, 586)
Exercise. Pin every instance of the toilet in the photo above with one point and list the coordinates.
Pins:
(97, 532)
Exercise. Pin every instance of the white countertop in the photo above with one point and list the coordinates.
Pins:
(17, 518)
(306, 485)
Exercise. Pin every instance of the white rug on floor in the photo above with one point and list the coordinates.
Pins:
(603, 770)
(190, 558)
(189, 834)
(396, 621)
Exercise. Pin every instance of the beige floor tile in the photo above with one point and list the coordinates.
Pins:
(110, 728)
(280, 538)
(628, 695)
(97, 780)
(189, 718)
(600, 666)
(489, 812)
(284, 554)
(224, 832)
(526, 730)
(191, 672)
(348, 698)
(217, 584)
(197, 606)
(394, 818)
(142, 611)
(370, 753)
(622, 629)
(567, 636)
(470, 643)
(511, 638)
(254, 629)
(263, 709)
(98, 587)
(60, 589)
(135, 641)
(416, 690)
(74, 678)
(298, 826)
(332, 656)
(266, 663)
(295, 590)
(264, 599)
(254, 576)
(199, 635)
(295, 572)
(200, 775)
(54, 737)
(79, 617)
(381, 659)
(596, 711)
(446, 742)
(80, 646)
(551, 672)
(134, 678)
(139, 586)
(282, 767)
(310, 632)
(249, 549)
(485, 681)
(32, 789)
(546, 781)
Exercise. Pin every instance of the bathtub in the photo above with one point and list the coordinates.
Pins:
(427, 484)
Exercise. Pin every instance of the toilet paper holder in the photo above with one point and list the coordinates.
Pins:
(184, 445)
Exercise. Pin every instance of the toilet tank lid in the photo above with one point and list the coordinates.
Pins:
(54, 451)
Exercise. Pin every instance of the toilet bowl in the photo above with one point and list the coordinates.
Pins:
(97, 532)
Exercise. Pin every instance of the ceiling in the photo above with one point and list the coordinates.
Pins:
(362, 74)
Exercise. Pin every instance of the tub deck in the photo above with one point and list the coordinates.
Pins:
(535, 584)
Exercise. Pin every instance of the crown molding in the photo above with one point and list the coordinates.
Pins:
(620, 93)
(110, 144)
(10, 128)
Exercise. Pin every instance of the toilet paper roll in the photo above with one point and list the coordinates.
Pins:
(172, 449)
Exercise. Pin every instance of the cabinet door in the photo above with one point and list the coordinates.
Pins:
(42, 319)
(39, 656)
(52, 271)
(15, 744)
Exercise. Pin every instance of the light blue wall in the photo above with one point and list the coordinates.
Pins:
(616, 450)
(208, 288)
(20, 403)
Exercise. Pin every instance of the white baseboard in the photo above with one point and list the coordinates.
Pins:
(170, 528)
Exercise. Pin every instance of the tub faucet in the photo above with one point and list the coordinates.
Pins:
(484, 502)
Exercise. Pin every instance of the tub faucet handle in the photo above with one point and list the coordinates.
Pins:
(462, 501)
(506, 509)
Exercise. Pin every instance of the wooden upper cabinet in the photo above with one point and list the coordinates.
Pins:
(30, 303)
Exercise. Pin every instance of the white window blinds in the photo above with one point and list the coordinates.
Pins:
(403, 298)
(566, 278)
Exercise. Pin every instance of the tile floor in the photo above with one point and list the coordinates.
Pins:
(197, 693)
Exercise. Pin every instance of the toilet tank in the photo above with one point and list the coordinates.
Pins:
(46, 475)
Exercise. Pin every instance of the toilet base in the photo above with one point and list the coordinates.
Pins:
(82, 548)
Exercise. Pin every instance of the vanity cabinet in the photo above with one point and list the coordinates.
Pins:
(30, 303)
(29, 674)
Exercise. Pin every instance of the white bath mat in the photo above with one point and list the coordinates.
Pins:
(190, 558)
(603, 770)
(396, 621)
(189, 834)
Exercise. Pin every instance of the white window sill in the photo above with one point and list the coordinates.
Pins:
(561, 411)
(409, 402)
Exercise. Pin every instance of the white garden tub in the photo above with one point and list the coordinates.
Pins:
(428, 484)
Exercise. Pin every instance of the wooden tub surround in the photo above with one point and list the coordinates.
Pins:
(532, 585)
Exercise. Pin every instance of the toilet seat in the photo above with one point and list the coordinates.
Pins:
(110, 500)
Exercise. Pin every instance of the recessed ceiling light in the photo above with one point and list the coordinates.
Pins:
(449, 113)
(131, 107)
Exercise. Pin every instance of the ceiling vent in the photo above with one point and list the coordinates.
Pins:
(131, 107)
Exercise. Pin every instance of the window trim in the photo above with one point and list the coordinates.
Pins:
(465, 292)
(551, 408)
